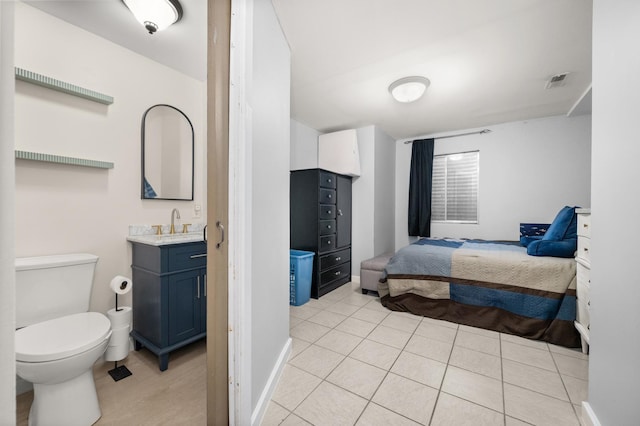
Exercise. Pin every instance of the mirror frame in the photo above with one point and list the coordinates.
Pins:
(142, 169)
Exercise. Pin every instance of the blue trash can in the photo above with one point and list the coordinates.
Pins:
(300, 273)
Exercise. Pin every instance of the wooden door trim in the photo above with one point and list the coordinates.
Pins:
(218, 51)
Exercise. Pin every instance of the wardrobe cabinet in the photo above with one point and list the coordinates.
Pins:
(320, 212)
(169, 297)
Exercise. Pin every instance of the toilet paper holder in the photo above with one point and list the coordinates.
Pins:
(124, 286)
(117, 309)
(120, 285)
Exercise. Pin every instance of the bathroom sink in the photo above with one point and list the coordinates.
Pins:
(158, 240)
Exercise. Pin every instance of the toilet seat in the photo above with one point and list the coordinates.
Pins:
(61, 337)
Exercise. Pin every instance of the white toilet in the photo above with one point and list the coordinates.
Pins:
(57, 340)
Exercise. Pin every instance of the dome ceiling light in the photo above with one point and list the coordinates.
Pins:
(409, 89)
(155, 15)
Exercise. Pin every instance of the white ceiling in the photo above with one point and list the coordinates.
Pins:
(488, 61)
(182, 46)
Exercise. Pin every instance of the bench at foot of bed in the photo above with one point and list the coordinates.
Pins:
(371, 271)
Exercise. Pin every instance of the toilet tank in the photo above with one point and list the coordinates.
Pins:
(49, 287)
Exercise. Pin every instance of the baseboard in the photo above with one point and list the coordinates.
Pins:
(588, 416)
(355, 282)
(261, 407)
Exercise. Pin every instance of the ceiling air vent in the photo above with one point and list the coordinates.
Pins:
(557, 80)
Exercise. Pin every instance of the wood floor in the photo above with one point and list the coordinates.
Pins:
(176, 396)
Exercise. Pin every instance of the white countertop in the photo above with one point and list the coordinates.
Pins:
(166, 239)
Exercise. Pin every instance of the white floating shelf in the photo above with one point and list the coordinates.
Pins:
(49, 158)
(61, 86)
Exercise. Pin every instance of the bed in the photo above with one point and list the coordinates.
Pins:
(488, 284)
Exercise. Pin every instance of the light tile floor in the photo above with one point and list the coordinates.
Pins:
(355, 362)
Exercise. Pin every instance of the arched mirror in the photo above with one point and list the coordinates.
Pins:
(167, 154)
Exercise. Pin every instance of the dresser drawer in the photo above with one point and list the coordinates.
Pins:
(326, 211)
(327, 196)
(582, 314)
(583, 276)
(187, 256)
(584, 280)
(334, 259)
(327, 227)
(327, 243)
(584, 249)
(327, 180)
(584, 225)
(335, 273)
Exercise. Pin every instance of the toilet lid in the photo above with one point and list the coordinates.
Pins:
(61, 337)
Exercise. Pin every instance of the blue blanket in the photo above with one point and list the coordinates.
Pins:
(489, 284)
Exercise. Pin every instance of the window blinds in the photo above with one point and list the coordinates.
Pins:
(455, 187)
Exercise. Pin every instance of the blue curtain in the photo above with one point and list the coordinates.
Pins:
(420, 188)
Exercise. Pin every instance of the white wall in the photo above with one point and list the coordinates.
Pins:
(614, 364)
(373, 197)
(363, 201)
(384, 203)
(528, 171)
(304, 146)
(270, 199)
(7, 220)
(69, 209)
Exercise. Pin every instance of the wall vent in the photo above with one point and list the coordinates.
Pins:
(557, 80)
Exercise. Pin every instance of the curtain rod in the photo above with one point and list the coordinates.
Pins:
(479, 132)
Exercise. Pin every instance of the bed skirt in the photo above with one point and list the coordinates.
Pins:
(555, 331)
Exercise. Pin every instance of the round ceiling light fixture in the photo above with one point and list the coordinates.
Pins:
(155, 15)
(409, 89)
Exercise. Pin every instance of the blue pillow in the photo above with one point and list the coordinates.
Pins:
(561, 226)
(572, 229)
(525, 240)
(564, 248)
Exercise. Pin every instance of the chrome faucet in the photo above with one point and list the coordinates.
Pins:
(176, 213)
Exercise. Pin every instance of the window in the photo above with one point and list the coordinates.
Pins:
(454, 195)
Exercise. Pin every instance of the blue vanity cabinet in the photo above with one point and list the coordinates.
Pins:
(187, 305)
(169, 296)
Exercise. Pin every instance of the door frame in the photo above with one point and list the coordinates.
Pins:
(219, 352)
(229, 43)
(240, 194)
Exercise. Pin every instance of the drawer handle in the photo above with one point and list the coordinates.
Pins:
(589, 303)
(329, 180)
(329, 242)
(328, 226)
(586, 249)
(328, 211)
(338, 259)
(337, 273)
(585, 225)
(196, 256)
(339, 212)
(328, 195)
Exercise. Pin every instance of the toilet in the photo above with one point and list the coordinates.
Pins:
(57, 340)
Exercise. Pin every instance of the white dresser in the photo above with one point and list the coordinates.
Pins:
(583, 265)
